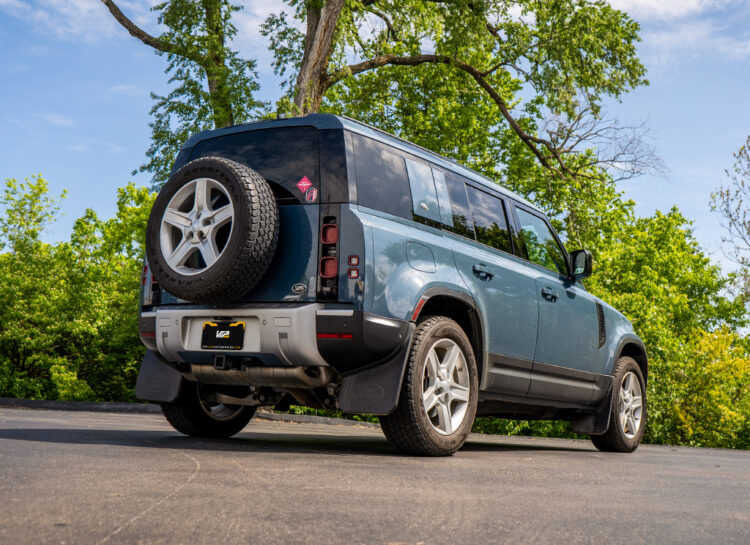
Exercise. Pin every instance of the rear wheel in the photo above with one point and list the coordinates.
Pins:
(628, 414)
(439, 394)
(193, 416)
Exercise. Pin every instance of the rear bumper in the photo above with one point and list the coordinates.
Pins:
(279, 335)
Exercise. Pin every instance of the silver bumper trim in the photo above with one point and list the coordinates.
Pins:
(288, 333)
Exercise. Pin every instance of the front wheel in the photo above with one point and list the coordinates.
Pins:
(628, 415)
(439, 394)
(191, 415)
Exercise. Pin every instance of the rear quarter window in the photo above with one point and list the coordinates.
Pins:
(382, 181)
(458, 205)
(283, 156)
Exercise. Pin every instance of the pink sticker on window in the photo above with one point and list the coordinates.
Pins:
(311, 195)
(304, 184)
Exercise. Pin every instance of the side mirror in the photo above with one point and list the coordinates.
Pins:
(580, 264)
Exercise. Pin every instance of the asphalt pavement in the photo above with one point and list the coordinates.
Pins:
(85, 477)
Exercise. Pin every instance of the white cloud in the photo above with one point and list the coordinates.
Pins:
(88, 20)
(696, 38)
(129, 90)
(58, 120)
(668, 9)
(248, 21)
(95, 144)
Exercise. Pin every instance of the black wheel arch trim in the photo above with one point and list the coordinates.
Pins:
(476, 323)
(632, 339)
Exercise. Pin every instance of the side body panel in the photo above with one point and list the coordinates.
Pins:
(403, 259)
(507, 305)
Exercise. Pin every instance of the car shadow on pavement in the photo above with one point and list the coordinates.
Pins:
(248, 441)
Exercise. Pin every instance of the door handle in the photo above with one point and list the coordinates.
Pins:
(549, 294)
(482, 271)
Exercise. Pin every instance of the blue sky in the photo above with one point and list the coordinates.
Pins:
(74, 98)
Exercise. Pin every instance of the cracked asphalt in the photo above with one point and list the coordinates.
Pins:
(85, 477)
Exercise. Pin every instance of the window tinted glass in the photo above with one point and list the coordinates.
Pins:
(459, 206)
(382, 182)
(423, 194)
(489, 220)
(541, 246)
(282, 156)
(444, 199)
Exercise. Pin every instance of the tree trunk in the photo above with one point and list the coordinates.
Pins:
(311, 80)
(216, 71)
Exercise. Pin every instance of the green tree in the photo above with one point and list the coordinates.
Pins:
(732, 202)
(68, 311)
(532, 60)
(214, 87)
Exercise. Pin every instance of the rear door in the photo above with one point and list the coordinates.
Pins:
(506, 296)
(289, 159)
(566, 347)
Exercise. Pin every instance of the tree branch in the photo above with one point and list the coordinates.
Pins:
(134, 30)
(532, 142)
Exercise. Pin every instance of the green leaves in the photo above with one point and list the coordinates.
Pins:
(68, 311)
(214, 87)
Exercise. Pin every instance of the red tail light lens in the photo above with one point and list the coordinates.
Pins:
(329, 234)
(329, 266)
(334, 335)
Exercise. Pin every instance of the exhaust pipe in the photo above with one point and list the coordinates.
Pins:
(280, 377)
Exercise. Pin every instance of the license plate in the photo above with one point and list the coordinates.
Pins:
(223, 335)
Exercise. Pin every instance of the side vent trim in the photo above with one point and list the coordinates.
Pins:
(602, 325)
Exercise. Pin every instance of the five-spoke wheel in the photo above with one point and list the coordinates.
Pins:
(628, 413)
(196, 226)
(439, 393)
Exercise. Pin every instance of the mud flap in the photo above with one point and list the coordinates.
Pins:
(376, 390)
(596, 423)
(157, 381)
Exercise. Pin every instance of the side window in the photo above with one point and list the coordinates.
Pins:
(459, 208)
(490, 224)
(444, 198)
(423, 196)
(541, 246)
(382, 181)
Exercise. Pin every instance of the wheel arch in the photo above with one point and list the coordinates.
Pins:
(635, 349)
(461, 308)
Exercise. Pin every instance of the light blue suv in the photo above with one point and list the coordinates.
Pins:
(318, 261)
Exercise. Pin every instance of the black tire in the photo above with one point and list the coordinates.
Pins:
(245, 253)
(410, 428)
(192, 417)
(616, 439)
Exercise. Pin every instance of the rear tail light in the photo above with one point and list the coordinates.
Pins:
(329, 267)
(329, 233)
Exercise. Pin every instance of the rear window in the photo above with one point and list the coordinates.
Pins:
(489, 220)
(459, 207)
(284, 156)
(423, 194)
(382, 182)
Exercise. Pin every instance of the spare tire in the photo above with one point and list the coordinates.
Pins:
(212, 231)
